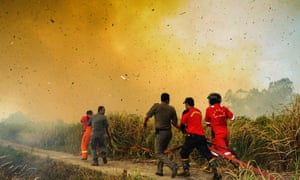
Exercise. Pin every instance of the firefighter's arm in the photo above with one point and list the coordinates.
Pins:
(183, 121)
(183, 128)
(207, 120)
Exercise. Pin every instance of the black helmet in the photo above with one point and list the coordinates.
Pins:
(214, 98)
(189, 101)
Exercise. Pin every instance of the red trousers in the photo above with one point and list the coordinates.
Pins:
(220, 140)
(85, 142)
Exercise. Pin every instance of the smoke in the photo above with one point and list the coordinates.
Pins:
(254, 103)
(60, 58)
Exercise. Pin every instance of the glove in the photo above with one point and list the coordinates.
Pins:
(183, 128)
(185, 111)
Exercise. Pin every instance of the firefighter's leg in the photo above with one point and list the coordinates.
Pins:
(215, 169)
(83, 148)
(204, 150)
(186, 149)
(85, 144)
(207, 168)
(185, 171)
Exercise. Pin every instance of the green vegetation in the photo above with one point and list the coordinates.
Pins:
(267, 142)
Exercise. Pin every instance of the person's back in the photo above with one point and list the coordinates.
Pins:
(216, 117)
(194, 120)
(99, 125)
(99, 128)
(164, 114)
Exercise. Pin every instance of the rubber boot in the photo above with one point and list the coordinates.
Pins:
(207, 168)
(95, 162)
(160, 166)
(174, 171)
(186, 166)
(104, 159)
(215, 169)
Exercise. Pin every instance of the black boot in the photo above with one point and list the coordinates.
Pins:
(216, 170)
(174, 171)
(160, 166)
(186, 166)
(104, 159)
(95, 162)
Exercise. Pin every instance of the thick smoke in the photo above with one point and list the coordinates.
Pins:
(254, 103)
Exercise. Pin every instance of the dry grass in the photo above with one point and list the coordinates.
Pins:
(271, 142)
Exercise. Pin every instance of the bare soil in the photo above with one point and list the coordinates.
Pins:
(113, 167)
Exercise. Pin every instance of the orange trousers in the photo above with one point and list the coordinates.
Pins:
(85, 142)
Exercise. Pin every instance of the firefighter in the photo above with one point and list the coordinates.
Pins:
(86, 134)
(216, 117)
(164, 115)
(191, 126)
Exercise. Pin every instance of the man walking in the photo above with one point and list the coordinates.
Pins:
(99, 128)
(191, 126)
(164, 116)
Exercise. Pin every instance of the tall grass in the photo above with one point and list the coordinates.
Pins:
(282, 140)
(271, 142)
(127, 131)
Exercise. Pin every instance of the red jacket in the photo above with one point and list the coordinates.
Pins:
(193, 121)
(84, 121)
(217, 115)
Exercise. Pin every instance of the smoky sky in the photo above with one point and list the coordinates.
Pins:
(61, 58)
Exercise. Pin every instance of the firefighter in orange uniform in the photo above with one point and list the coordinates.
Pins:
(86, 134)
(216, 117)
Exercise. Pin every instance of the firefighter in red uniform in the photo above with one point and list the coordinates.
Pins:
(216, 117)
(86, 134)
(191, 126)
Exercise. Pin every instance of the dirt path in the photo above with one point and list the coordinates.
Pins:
(112, 167)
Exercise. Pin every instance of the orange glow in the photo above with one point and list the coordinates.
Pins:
(60, 58)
